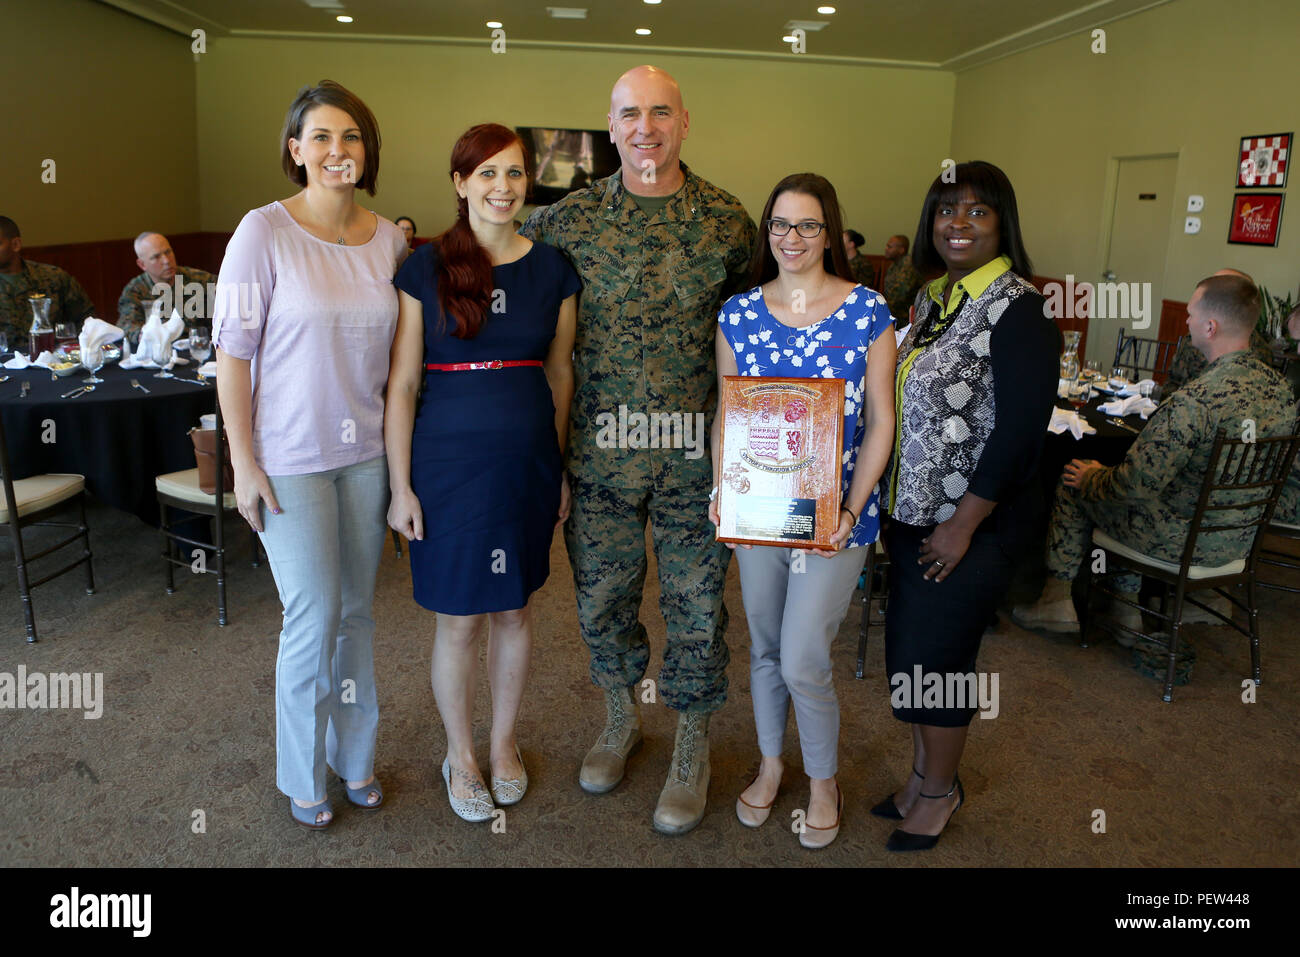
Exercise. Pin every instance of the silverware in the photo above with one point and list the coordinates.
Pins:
(135, 384)
(4, 378)
(1123, 425)
(27, 387)
(77, 391)
(82, 391)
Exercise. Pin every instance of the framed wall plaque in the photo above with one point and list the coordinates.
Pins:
(782, 442)
(1256, 219)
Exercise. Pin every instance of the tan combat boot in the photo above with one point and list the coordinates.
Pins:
(1054, 611)
(681, 802)
(604, 764)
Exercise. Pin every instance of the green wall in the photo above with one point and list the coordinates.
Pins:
(110, 98)
(1189, 78)
(752, 121)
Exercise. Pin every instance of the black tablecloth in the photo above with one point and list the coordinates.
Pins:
(1108, 446)
(118, 437)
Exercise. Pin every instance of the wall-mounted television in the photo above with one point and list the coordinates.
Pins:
(565, 160)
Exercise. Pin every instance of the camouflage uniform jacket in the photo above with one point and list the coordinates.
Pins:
(863, 269)
(899, 288)
(1166, 465)
(647, 317)
(130, 305)
(70, 302)
(1189, 362)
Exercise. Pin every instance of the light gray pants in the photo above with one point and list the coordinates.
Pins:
(324, 548)
(793, 618)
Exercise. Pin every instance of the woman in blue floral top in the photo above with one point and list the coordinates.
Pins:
(806, 318)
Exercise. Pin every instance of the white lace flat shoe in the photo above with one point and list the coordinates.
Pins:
(510, 791)
(475, 809)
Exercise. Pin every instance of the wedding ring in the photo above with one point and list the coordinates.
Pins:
(938, 564)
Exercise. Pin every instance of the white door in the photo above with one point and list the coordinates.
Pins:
(1144, 201)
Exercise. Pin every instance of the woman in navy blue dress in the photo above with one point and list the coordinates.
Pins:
(487, 318)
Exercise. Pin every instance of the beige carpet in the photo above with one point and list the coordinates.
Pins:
(188, 726)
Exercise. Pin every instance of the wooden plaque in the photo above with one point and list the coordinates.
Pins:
(782, 442)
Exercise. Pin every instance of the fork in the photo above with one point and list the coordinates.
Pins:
(82, 391)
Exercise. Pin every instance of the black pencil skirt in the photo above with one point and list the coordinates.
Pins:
(934, 629)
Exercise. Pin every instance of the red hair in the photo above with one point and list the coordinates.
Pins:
(464, 267)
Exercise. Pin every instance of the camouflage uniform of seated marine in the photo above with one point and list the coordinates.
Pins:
(655, 271)
(131, 312)
(1189, 363)
(1147, 501)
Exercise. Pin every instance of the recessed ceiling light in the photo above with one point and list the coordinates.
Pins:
(790, 38)
(494, 24)
(826, 10)
(343, 19)
(654, 3)
(643, 31)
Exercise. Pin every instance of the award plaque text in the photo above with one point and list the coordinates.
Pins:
(782, 443)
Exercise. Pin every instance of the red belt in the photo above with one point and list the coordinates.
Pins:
(493, 364)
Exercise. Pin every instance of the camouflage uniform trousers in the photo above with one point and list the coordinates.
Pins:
(1146, 527)
(605, 535)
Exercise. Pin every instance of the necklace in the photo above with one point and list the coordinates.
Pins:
(342, 241)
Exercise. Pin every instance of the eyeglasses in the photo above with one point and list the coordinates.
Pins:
(807, 229)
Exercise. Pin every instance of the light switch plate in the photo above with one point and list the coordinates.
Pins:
(1195, 204)
(1192, 225)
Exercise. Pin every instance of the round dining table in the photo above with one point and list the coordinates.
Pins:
(119, 436)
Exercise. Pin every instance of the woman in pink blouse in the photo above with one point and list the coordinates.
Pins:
(305, 316)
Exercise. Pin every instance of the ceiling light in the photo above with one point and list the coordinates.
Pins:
(826, 10)
(343, 19)
(790, 39)
(654, 3)
(494, 24)
(643, 31)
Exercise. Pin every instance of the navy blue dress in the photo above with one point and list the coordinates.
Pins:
(485, 459)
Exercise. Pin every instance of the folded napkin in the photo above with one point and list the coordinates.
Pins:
(156, 341)
(209, 368)
(20, 361)
(1133, 388)
(97, 332)
(1133, 405)
(1063, 419)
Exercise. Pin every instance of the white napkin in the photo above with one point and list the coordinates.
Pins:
(19, 361)
(1063, 419)
(155, 338)
(1134, 404)
(1135, 388)
(97, 332)
(209, 368)
(901, 334)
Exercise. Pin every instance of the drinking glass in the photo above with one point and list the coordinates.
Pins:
(1145, 388)
(1093, 368)
(92, 360)
(1121, 373)
(65, 332)
(4, 344)
(200, 344)
(164, 357)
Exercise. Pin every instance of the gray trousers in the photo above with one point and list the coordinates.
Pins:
(793, 618)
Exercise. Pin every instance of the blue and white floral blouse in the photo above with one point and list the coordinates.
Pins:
(832, 348)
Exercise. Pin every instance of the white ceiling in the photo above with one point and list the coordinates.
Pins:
(942, 34)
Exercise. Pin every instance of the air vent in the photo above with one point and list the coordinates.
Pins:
(807, 26)
(567, 13)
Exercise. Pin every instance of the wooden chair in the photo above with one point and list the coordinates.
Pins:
(871, 591)
(1155, 356)
(1239, 492)
(30, 502)
(181, 490)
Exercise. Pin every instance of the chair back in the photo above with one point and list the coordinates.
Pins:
(220, 452)
(1155, 356)
(1240, 491)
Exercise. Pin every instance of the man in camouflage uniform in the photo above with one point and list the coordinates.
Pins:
(659, 249)
(1189, 362)
(902, 280)
(19, 278)
(158, 281)
(1147, 501)
(862, 268)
